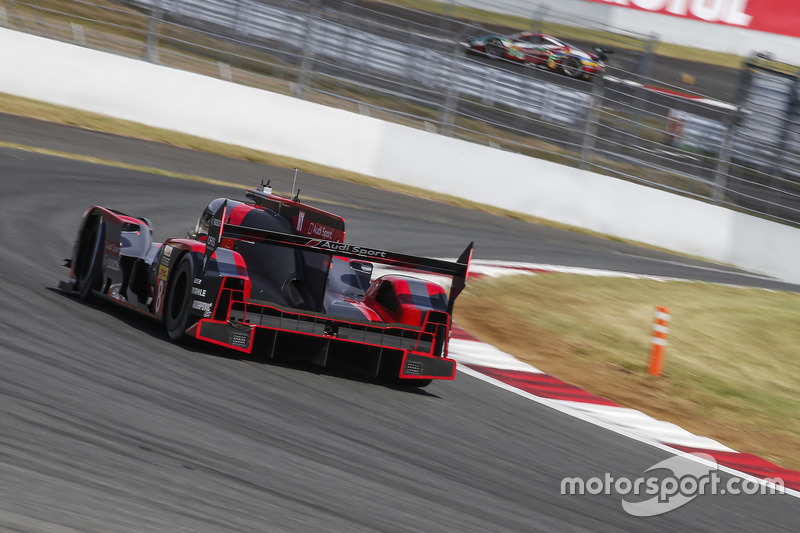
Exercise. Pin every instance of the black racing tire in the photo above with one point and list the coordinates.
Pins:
(89, 258)
(495, 49)
(572, 67)
(177, 318)
(414, 382)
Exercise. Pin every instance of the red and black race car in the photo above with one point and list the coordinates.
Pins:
(273, 276)
(541, 50)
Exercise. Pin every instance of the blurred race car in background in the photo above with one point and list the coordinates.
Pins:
(273, 277)
(541, 50)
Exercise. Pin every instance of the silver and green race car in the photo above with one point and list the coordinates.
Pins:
(541, 50)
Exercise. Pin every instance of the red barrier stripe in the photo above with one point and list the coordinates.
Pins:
(749, 464)
(543, 385)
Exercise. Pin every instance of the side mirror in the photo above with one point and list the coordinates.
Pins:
(361, 266)
(602, 53)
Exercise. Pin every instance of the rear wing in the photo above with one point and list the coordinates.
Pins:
(457, 270)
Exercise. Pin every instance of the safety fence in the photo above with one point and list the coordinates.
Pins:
(411, 66)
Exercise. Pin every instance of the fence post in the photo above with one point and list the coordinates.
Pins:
(450, 106)
(446, 18)
(309, 50)
(658, 340)
(537, 19)
(592, 122)
(722, 169)
(153, 29)
(9, 16)
(644, 69)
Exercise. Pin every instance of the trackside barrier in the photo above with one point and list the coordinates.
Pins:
(659, 340)
(694, 133)
(64, 74)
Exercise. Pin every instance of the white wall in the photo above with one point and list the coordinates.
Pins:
(64, 74)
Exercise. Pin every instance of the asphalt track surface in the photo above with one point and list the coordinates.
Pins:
(106, 426)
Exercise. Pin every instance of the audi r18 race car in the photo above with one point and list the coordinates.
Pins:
(541, 50)
(273, 277)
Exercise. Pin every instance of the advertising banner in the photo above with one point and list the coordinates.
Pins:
(771, 16)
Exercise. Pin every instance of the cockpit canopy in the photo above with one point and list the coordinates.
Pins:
(201, 228)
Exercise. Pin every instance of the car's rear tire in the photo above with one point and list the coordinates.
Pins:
(89, 258)
(177, 318)
(572, 67)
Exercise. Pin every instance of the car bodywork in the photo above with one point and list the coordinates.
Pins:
(273, 277)
(541, 50)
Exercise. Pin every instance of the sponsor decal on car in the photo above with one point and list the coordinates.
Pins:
(342, 247)
(163, 267)
(205, 307)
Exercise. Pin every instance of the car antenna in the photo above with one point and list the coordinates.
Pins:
(297, 196)
(294, 182)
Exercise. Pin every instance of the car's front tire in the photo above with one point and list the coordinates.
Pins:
(89, 258)
(495, 49)
(177, 318)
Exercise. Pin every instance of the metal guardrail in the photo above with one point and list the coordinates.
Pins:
(408, 66)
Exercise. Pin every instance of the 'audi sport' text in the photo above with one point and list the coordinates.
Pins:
(342, 247)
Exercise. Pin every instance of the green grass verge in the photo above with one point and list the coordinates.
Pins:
(731, 368)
